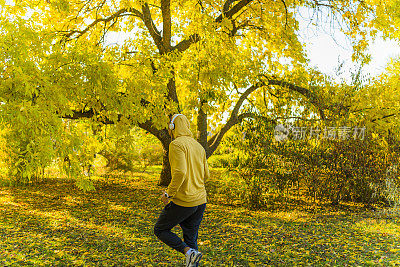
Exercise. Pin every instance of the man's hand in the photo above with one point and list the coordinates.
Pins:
(164, 199)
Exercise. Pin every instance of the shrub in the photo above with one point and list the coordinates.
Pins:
(229, 160)
(328, 170)
(392, 186)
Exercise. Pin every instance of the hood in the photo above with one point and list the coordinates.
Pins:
(181, 127)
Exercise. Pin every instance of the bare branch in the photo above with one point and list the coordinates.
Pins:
(234, 118)
(243, 97)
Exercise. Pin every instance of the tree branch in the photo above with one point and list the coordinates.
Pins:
(303, 91)
(151, 27)
(87, 114)
(185, 43)
(286, 13)
(119, 13)
(385, 117)
(233, 119)
(194, 38)
(236, 28)
(235, 9)
(149, 127)
(245, 115)
(162, 134)
(166, 14)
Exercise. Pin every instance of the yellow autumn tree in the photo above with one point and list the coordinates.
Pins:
(205, 59)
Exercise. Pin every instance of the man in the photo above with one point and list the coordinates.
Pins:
(186, 192)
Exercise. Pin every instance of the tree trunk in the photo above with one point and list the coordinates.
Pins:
(202, 127)
(165, 176)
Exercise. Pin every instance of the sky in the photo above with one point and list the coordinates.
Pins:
(325, 53)
(327, 48)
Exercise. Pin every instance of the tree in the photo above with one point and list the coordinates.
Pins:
(206, 59)
(378, 102)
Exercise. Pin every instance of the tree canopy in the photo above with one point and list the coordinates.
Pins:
(215, 61)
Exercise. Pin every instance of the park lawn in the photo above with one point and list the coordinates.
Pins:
(54, 223)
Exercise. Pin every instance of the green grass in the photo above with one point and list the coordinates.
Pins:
(55, 224)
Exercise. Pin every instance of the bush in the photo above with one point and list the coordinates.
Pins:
(31, 136)
(392, 186)
(131, 151)
(229, 160)
(227, 188)
(325, 170)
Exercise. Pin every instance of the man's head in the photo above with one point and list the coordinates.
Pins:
(179, 126)
(171, 125)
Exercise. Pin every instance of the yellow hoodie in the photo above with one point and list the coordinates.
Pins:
(189, 167)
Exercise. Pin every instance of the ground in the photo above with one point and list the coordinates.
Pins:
(55, 224)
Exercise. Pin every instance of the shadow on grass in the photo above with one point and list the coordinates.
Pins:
(56, 224)
(243, 237)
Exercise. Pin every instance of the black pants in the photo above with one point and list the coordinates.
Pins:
(189, 219)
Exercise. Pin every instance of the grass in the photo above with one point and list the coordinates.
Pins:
(55, 224)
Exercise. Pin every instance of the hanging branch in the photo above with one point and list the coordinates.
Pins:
(116, 15)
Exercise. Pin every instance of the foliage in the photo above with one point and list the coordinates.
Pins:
(29, 149)
(130, 150)
(74, 148)
(59, 60)
(224, 157)
(392, 186)
(323, 169)
(377, 102)
(3, 155)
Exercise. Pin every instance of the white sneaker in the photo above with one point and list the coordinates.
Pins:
(192, 257)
